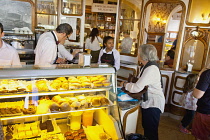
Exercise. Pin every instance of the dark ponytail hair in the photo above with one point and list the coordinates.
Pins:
(190, 82)
(106, 38)
(94, 34)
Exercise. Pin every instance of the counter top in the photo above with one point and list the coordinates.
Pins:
(125, 105)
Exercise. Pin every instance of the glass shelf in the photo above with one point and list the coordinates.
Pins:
(52, 93)
(49, 114)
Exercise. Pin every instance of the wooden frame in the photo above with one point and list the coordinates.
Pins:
(176, 79)
(167, 82)
(126, 68)
(175, 92)
(188, 16)
(128, 113)
(36, 24)
(180, 26)
(204, 38)
(138, 36)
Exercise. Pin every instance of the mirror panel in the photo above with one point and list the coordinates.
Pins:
(75, 24)
(193, 51)
(195, 48)
(19, 17)
(160, 19)
(198, 13)
(129, 22)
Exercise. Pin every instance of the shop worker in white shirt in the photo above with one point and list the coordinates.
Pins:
(108, 54)
(47, 51)
(8, 54)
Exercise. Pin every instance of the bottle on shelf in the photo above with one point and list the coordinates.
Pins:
(66, 9)
(107, 25)
(189, 66)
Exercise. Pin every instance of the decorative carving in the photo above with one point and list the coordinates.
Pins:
(202, 35)
(159, 15)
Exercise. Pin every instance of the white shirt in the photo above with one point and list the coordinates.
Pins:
(116, 57)
(9, 55)
(46, 49)
(94, 46)
(151, 77)
(63, 53)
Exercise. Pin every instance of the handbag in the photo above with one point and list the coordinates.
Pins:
(137, 95)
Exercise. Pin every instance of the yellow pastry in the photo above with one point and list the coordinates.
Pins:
(65, 85)
(42, 85)
(29, 134)
(74, 85)
(81, 97)
(86, 84)
(92, 79)
(102, 78)
(97, 83)
(104, 101)
(62, 79)
(21, 135)
(96, 101)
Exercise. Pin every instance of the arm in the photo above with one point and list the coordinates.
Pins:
(64, 53)
(100, 40)
(15, 59)
(198, 93)
(150, 76)
(87, 43)
(202, 85)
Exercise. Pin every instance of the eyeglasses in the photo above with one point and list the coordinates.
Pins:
(67, 36)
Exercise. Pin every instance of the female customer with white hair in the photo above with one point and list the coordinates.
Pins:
(149, 76)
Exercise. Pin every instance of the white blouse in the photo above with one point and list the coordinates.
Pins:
(94, 46)
(151, 77)
(9, 55)
(116, 55)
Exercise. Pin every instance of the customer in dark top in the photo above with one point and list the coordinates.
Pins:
(201, 122)
(169, 58)
(174, 45)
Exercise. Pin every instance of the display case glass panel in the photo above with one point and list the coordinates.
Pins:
(70, 7)
(46, 7)
(59, 101)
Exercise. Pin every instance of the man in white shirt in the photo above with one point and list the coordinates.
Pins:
(8, 54)
(47, 47)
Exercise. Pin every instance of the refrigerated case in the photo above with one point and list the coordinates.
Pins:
(61, 101)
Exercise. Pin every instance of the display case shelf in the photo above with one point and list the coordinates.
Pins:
(50, 113)
(46, 14)
(5, 96)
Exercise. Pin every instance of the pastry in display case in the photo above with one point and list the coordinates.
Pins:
(59, 103)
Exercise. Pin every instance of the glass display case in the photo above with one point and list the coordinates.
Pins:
(70, 7)
(46, 13)
(62, 101)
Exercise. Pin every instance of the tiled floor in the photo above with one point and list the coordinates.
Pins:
(168, 130)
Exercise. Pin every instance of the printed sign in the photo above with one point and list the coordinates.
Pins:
(104, 8)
